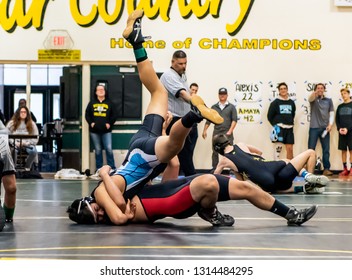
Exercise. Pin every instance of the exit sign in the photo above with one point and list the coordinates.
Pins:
(58, 40)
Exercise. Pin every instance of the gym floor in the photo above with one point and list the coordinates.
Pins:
(42, 230)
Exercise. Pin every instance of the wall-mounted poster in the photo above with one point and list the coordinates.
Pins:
(248, 99)
(248, 91)
(343, 3)
(274, 92)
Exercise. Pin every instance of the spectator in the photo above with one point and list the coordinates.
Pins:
(281, 115)
(344, 127)
(23, 102)
(101, 117)
(229, 113)
(21, 123)
(321, 121)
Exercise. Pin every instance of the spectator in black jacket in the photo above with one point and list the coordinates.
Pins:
(281, 116)
(101, 116)
(344, 127)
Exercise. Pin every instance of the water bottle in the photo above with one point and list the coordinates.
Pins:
(325, 132)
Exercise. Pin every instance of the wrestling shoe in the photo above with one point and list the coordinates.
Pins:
(133, 30)
(2, 217)
(199, 107)
(214, 217)
(313, 189)
(96, 175)
(321, 180)
(298, 217)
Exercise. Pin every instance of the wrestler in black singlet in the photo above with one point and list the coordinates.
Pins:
(269, 175)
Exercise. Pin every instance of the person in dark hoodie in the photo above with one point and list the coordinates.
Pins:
(281, 115)
(101, 117)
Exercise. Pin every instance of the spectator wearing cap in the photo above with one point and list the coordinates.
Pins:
(229, 112)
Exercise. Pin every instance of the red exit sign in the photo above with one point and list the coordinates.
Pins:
(59, 40)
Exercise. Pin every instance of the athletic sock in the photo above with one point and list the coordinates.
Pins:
(9, 212)
(344, 165)
(190, 118)
(139, 52)
(298, 189)
(279, 208)
(305, 173)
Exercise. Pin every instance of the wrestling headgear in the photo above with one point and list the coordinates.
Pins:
(81, 211)
(220, 142)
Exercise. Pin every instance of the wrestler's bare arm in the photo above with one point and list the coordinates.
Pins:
(112, 189)
(115, 214)
(225, 163)
(254, 150)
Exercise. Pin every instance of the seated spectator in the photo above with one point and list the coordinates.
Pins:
(22, 123)
(23, 102)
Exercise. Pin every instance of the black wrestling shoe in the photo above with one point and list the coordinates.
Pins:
(309, 188)
(298, 217)
(133, 30)
(2, 217)
(214, 217)
(198, 106)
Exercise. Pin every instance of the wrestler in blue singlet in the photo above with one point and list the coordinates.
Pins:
(141, 165)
